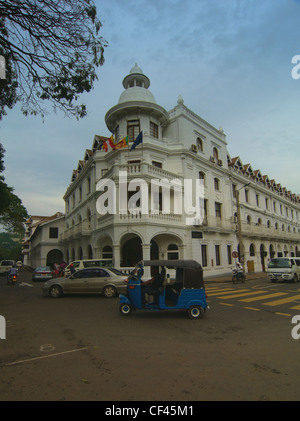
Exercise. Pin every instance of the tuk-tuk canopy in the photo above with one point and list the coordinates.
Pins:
(189, 272)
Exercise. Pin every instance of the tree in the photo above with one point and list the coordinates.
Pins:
(52, 49)
(12, 213)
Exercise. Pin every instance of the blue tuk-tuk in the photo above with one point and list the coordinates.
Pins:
(185, 292)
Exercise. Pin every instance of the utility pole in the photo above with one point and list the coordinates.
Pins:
(239, 226)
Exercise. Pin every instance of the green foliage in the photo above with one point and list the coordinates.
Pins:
(10, 247)
(52, 49)
(12, 213)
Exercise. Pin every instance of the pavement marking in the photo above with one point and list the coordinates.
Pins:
(46, 356)
(22, 284)
(282, 301)
(268, 286)
(283, 314)
(252, 308)
(227, 304)
(243, 294)
(231, 291)
(262, 297)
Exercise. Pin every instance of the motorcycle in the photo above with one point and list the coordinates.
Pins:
(11, 279)
(238, 275)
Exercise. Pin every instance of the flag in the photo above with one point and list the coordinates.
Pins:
(103, 146)
(122, 143)
(138, 140)
(111, 141)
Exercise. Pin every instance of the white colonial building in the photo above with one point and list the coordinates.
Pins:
(177, 145)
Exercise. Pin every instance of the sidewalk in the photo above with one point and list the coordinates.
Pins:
(228, 277)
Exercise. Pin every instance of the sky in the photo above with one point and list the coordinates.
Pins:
(231, 61)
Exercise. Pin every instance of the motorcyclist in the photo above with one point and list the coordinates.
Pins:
(13, 271)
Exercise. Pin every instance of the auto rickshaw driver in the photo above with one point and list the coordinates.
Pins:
(152, 286)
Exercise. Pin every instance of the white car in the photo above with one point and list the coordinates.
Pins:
(5, 266)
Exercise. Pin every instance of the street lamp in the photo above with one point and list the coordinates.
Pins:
(239, 225)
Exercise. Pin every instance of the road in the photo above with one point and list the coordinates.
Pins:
(81, 348)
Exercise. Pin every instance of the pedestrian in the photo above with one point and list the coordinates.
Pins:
(56, 269)
(62, 268)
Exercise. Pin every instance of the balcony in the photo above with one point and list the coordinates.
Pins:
(79, 230)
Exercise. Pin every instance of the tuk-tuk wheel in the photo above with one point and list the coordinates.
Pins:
(194, 312)
(125, 309)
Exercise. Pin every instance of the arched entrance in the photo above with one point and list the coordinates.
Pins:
(154, 250)
(131, 252)
(54, 256)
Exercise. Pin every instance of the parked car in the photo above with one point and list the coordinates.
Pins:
(42, 273)
(88, 263)
(106, 281)
(19, 264)
(5, 266)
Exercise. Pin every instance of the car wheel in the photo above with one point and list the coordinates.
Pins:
(194, 312)
(55, 291)
(125, 309)
(109, 291)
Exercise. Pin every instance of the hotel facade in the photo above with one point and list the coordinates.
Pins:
(239, 202)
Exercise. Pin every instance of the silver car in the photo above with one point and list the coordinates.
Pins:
(106, 281)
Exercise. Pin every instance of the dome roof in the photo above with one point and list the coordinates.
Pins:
(136, 69)
(136, 94)
(136, 79)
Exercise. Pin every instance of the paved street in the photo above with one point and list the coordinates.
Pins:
(81, 348)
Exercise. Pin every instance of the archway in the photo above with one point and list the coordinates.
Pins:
(54, 256)
(263, 254)
(131, 252)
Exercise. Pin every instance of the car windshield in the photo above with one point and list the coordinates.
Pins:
(279, 263)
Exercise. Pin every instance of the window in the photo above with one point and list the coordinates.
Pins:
(153, 130)
(218, 209)
(246, 195)
(89, 184)
(133, 129)
(267, 203)
(204, 255)
(252, 250)
(202, 176)
(217, 250)
(217, 184)
(229, 255)
(199, 143)
(157, 164)
(53, 232)
(257, 199)
(107, 252)
(234, 190)
(173, 252)
(215, 154)
(117, 134)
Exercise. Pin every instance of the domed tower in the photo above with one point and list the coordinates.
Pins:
(136, 110)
